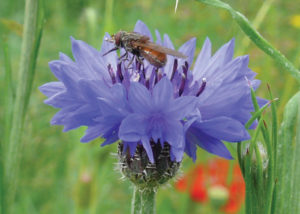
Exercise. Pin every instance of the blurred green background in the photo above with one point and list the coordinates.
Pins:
(59, 174)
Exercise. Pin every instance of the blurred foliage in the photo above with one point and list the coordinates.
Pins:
(59, 174)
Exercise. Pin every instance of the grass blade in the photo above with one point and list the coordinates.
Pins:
(33, 20)
(9, 94)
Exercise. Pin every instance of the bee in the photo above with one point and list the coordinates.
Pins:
(141, 47)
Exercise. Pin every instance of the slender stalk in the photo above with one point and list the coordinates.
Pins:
(248, 182)
(30, 44)
(143, 200)
(148, 200)
(8, 102)
(240, 159)
(9, 86)
(9, 93)
(271, 171)
(258, 192)
(230, 173)
(136, 201)
(2, 193)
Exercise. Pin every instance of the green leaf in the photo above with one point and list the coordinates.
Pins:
(255, 36)
(9, 95)
(256, 115)
(288, 159)
(33, 25)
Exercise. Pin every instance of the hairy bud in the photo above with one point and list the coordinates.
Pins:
(139, 170)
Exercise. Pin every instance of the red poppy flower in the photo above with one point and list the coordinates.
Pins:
(205, 181)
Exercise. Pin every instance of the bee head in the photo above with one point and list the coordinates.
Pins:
(116, 38)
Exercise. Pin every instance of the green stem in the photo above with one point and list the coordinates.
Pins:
(255, 36)
(8, 93)
(230, 173)
(271, 171)
(256, 202)
(143, 201)
(30, 44)
(136, 201)
(148, 200)
(2, 202)
(248, 183)
(240, 159)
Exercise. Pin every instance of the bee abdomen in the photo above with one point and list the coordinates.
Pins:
(155, 58)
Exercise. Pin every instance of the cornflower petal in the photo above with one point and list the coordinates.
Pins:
(112, 109)
(87, 59)
(218, 104)
(162, 93)
(224, 128)
(65, 72)
(182, 107)
(188, 49)
(51, 88)
(174, 135)
(147, 147)
(170, 59)
(91, 133)
(133, 128)
(167, 42)
(203, 57)
(141, 28)
(158, 37)
(59, 100)
(190, 150)
(131, 146)
(139, 98)
(206, 142)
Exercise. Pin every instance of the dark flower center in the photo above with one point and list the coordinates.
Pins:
(150, 77)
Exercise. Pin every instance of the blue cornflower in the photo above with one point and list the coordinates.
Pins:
(157, 116)
(143, 106)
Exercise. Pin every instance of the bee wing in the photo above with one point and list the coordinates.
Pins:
(159, 48)
(138, 37)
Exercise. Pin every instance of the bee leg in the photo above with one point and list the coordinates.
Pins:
(124, 55)
(131, 61)
(140, 60)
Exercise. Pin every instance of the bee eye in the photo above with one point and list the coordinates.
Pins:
(118, 39)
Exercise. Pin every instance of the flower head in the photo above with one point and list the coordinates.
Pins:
(142, 105)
